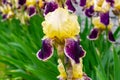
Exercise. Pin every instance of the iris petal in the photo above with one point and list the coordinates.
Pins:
(4, 17)
(21, 2)
(31, 11)
(4, 1)
(111, 37)
(104, 18)
(50, 7)
(47, 50)
(111, 2)
(70, 6)
(89, 12)
(94, 34)
(73, 50)
(82, 2)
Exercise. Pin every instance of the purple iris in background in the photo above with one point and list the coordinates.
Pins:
(70, 5)
(102, 23)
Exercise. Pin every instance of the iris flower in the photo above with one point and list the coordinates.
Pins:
(30, 6)
(61, 29)
(102, 5)
(102, 23)
(6, 10)
(48, 5)
(87, 6)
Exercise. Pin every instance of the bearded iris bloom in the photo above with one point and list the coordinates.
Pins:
(61, 30)
(86, 4)
(100, 24)
(48, 5)
(25, 10)
(6, 10)
(30, 6)
(70, 5)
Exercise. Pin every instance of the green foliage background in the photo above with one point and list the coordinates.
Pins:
(19, 44)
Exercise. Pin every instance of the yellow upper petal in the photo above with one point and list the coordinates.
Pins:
(101, 5)
(60, 24)
(77, 69)
(96, 22)
(30, 2)
(89, 3)
(41, 3)
(117, 4)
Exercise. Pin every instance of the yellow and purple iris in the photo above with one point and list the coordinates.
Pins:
(100, 24)
(48, 5)
(69, 4)
(86, 4)
(29, 5)
(90, 7)
(6, 10)
(61, 29)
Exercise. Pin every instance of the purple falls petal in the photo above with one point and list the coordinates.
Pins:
(21, 2)
(4, 1)
(111, 2)
(31, 11)
(70, 6)
(46, 51)
(89, 12)
(104, 18)
(82, 3)
(73, 50)
(50, 7)
(94, 34)
(111, 37)
(4, 17)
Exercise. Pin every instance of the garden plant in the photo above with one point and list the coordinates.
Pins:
(59, 39)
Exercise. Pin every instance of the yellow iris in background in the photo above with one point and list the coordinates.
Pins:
(30, 2)
(6, 11)
(117, 4)
(97, 24)
(101, 5)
